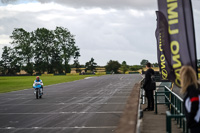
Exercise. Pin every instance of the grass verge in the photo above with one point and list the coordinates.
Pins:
(14, 83)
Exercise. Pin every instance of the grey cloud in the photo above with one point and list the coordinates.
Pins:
(117, 4)
(107, 3)
(7, 1)
(117, 35)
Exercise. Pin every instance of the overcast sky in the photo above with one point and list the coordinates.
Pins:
(122, 30)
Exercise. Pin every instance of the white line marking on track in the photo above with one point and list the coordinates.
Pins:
(51, 128)
(39, 104)
(9, 128)
(88, 77)
(36, 127)
(55, 113)
(119, 97)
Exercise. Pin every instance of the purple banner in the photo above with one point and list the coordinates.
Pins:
(175, 35)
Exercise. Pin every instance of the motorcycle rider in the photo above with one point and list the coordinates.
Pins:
(38, 80)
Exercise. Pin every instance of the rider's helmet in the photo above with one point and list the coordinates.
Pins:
(37, 78)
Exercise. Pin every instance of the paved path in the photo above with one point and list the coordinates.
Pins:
(92, 105)
(152, 123)
(156, 123)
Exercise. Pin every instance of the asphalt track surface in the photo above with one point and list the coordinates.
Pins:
(91, 105)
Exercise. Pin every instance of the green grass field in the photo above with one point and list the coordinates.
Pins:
(14, 83)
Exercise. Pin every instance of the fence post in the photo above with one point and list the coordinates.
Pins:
(181, 111)
(142, 95)
(165, 95)
(156, 111)
(176, 108)
(183, 125)
(168, 122)
(176, 111)
(172, 103)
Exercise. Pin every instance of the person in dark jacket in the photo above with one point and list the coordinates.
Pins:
(190, 87)
(148, 89)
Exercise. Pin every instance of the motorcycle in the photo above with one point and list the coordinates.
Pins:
(38, 90)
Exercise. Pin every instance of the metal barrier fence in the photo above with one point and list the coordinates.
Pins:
(175, 105)
(142, 92)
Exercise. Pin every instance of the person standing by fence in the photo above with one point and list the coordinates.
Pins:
(191, 88)
(149, 88)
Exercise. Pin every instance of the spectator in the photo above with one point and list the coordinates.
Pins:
(148, 88)
(190, 87)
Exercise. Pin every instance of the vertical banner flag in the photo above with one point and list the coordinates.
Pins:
(175, 38)
(163, 48)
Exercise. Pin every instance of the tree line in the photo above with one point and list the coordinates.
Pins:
(50, 51)
(41, 50)
(113, 66)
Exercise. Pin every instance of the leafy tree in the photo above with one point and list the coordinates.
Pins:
(91, 65)
(1, 67)
(10, 61)
(56, 63)
(23, 44)
(77, 66)
(15, 63)
(56, 59)
(42, 50)
(198, 62)
(67, 43)
(144, 62)
(112, 66)
(67, 68)
(22, 41)
(5, 59)
(155, 64)
(40, 64)
(135, 67)
(29, 68)
(43, 40)
(76, 62)
(124, 67)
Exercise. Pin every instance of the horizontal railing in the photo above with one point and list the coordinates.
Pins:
(142, 92)
(175, 105)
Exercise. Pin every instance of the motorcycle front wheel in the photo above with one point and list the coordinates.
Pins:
(37, 94)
